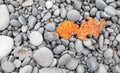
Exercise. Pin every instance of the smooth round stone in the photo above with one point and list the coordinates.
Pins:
(87, 43)
(59, 49)
(116, 69)
(64, 59)
(101, 69)
(49, 4)
(43, 56)
(24, 28)
(22, 20)
(78, 46)
(110, 10)
(72, 64)
(92, 63)
(63, 12)
(4, 17)
(27, 3)
(50, 26)
(118, 37)
(17, 63)
(52, 70)
(93, 11)
(36, 38)
(15, 22)
(100, 4)
(73, 15)
(57, 12)
(8, 66)
(6, 45)
(108, 53)
(80, 69)
(26, 69)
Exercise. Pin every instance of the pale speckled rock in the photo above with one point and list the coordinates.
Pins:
(27, 3)
(36, 38)
(63, 12)
(118, 37)
(101, 69)
(6, 45)
(49, 4)
(116, 69)
(52, 70)
(26, 69)
(80, 69)
(108, 53)
(8, 66)
(17, 63)
(4, 17)
(43, 56)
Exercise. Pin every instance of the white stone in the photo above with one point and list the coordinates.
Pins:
(26, 69)
(4, 17)
(24, 28)
(49, 4)
(36, 38)
(6, 44)
(27, 3)
(43, 56)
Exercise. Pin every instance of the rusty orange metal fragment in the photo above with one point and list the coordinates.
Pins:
(90, 27)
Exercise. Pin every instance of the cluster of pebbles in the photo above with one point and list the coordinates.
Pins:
(29, 43)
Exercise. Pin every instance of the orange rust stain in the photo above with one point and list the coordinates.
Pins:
(90, 27)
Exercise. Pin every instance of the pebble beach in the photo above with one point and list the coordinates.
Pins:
(29, 42)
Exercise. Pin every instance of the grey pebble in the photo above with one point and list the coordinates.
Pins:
(37, 26)
(14, 3)
(64, 42)
(92, 63)
(63, 12)
(26, 69)
(11, 8)
(52, 70)
(116, 69)
(108, 60)
(8, 66)
(18, 40)
(86, 8)
(118, 37)
(54, 63)
(114, 19)
(108, 53)
(110, 10)
(32, 21)
(78, 45)
(64, 59)
(57, 12)
(34, 11)
(73, 15)
(93, 11)
(77, 4)
(50, 26)
(80, 69)
(72, 64)
(100, 4)
(50, 36)
(15, 22)
(35, 70)
(22, 20)
(116, 58)
(17, 63)
(85, 51)
(101, 40)
(59, 49)
(101, 69)
(26, 61)
(43, 56)
(87, 43)
(46, 17)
